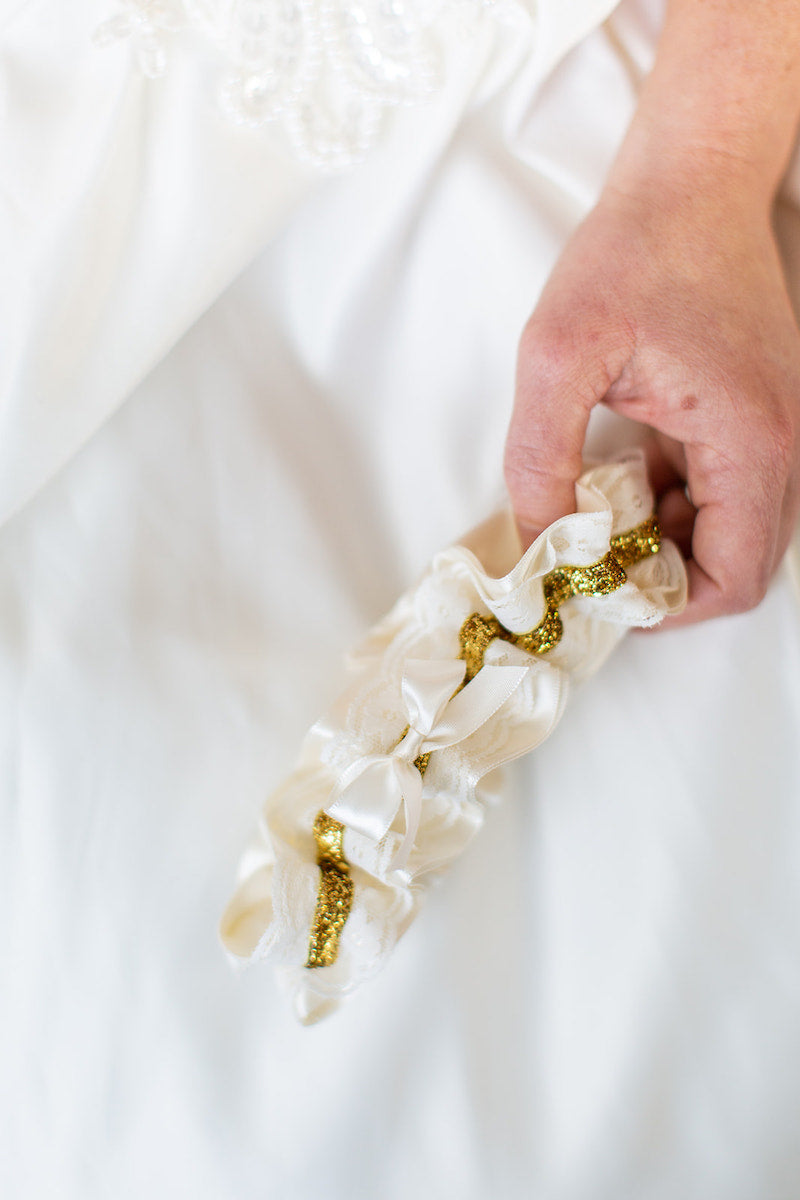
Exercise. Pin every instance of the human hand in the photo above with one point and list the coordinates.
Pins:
(669, 306)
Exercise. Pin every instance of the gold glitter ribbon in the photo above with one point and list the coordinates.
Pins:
(335, 894)
(598, 579)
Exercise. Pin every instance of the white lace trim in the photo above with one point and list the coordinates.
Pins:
(325, 70)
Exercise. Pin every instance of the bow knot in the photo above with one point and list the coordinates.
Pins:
(441, 713)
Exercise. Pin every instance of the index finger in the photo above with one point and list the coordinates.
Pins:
(554, 396)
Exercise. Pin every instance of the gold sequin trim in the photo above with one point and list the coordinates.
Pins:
(637, 544)
(335, 895)
(597, 579)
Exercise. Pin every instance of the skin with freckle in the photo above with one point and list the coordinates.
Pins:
(669, 306)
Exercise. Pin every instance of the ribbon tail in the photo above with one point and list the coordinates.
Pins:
(410, 782)
(367, 796)
(475, 705)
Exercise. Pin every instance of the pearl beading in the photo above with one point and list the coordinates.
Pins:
(326, 71)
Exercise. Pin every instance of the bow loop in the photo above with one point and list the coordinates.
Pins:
(427, 687)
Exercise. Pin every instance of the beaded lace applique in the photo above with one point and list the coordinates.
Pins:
(325, 70)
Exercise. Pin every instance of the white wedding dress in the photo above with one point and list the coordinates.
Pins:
(244, 401)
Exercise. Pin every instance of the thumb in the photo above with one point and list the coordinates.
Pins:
(544, 448)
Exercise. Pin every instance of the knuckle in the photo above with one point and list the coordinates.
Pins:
(555, 357)
(526, 466)
(539, 486)
(545, 352)
(540, 456)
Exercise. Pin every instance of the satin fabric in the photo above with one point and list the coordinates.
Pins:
(242, 408)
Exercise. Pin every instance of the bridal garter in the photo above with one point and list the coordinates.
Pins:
(470, 669)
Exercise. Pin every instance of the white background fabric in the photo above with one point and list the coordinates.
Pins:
(241, 409)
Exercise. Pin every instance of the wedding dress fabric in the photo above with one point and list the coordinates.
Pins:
(244, 403)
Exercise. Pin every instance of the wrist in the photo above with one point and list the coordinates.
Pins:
(694, 173)
(718, 113)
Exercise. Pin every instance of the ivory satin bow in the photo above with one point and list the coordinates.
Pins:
(372, 789)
